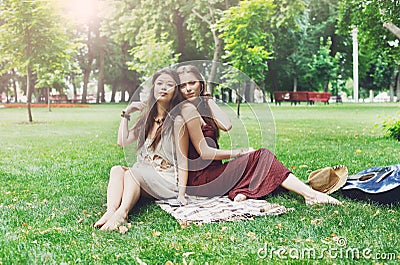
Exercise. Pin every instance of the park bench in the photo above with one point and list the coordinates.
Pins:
(290, 96)
(62, 98)
(319, 96)
(280, 96)
(301, 96)
(90, 98)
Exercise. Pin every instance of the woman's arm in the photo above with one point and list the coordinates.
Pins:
(193, 124)
(182, 146)
(221, 119)
(125, 136)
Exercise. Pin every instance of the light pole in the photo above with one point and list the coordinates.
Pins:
(355, 63)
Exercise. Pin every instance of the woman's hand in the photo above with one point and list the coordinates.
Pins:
(243, 151)
(134, 106)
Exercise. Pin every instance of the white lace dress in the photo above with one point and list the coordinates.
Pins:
(156, 170)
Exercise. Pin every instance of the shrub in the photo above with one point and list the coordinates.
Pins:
(392, 128)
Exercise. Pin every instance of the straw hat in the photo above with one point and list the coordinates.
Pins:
(329, 179)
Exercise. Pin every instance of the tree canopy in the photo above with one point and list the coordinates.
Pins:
(281, 45)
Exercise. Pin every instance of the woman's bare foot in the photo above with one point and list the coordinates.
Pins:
(240, 197)
(106, 216)
(321, 198)
(116, 220)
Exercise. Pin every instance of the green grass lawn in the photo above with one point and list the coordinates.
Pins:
(54, 176)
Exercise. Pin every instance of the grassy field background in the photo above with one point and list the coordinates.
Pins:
(54, 176)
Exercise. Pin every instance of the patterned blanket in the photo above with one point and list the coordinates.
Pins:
(218, 209)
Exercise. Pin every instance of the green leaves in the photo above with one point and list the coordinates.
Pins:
(35, 30)
(151, 54)
(378, 58)
(245, 31)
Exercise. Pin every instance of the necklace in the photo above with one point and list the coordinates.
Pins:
(159, 121)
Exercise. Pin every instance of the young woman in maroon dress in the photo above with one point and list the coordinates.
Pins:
(252, 174)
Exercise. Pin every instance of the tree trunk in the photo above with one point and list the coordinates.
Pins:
(398, 84)
(393, 28)
(74, 88)
(294, 82)
(124, 87)
(7, 96)
(29, 92)
(88, 66)
(178, 21)
(124, 79)
(217, 51)
(15, 86)
(239, 100)
(326, 86)
(85, 84)
(48, 98)
(100, 83)
(272, 76)
(391, 92)
(217, 43)
(132, 88)
(114, 90)
(249, 91)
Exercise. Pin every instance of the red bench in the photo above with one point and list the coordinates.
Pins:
(301, 96)
(290, 96)
(62, 98)
(319, 96)
(90, 98)
(280, 96)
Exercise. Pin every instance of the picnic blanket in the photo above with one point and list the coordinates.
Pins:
(218, 209)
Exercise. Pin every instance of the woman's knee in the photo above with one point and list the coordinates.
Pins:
(117, 172)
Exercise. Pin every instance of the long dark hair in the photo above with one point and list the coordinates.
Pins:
(201, 101)
(145, 122)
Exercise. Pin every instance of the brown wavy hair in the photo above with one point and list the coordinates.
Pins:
(201, 102)
(145, 122)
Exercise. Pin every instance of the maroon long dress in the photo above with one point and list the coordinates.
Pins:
(254, 175)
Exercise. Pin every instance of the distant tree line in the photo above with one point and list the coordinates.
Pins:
(282, 45)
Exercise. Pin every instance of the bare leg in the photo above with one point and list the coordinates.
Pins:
(311, 196)
(115, 190)
(130, 197)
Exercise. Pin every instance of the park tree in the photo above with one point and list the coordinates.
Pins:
(5, 85)
(311, 43)
(184, 29)
(121, 24)
(322, 68)
(250, 32)
(151, 35)
(288, 27)
(8, 83)
(84, 16)
(168, 22)
(202, 17)
(32, 39)
(378, 23)
(247, 39)
(151, 54)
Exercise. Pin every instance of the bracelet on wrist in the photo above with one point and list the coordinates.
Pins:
(125, 115)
